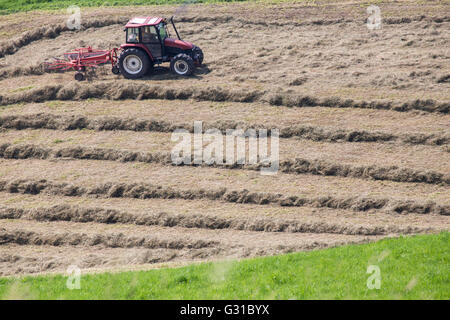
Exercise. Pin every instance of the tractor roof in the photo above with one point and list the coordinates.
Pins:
(143, 21)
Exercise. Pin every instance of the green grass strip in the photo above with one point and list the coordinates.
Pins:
(12, 6)
(414, 267)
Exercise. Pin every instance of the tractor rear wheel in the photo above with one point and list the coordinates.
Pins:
(133, 63)
(182, 65)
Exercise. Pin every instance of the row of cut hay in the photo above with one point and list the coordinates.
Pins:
(295, 166)
(150, 191)
(111, 240)
(314, 133)
(53, 31)
(201, 221)
(141, 91)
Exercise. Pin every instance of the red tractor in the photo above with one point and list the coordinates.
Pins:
(148, 42)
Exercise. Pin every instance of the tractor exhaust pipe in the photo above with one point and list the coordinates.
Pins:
(174, 28)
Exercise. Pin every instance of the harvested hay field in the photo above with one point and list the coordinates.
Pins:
(86, 176)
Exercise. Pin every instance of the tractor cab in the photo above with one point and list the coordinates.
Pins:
(151, 32)
(148, 42)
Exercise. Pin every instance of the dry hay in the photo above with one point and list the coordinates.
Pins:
(107, 123)
(149, 191)
(296, 166)
(139, 91)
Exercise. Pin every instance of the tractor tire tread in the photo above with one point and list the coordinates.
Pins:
(186, 58)
(146, 63)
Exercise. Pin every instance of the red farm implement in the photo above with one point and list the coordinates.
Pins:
(83, 58)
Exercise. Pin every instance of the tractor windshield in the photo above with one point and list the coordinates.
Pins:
(162, 31)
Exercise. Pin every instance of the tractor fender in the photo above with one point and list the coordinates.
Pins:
(137, 45)
(176, 43)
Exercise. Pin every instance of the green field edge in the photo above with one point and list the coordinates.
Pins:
(410, 267)
(15, 6)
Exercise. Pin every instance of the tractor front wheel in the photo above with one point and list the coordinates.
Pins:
(133, 63)
(198, 56)
(182, 65)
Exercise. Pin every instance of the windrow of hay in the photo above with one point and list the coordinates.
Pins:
(202, 221)
(20, 262)
(22, 71)
(149, 191)
(111, 240)
(73, 122)
(58, 259)
(292, 100)
(141, 91)
(52, 31)
(402, 20)
(295, 166)
(129, 90)
(327, 22)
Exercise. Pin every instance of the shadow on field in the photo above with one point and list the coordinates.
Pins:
(164, 73)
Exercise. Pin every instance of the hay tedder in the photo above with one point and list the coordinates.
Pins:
(83, 58)
(148, 43)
